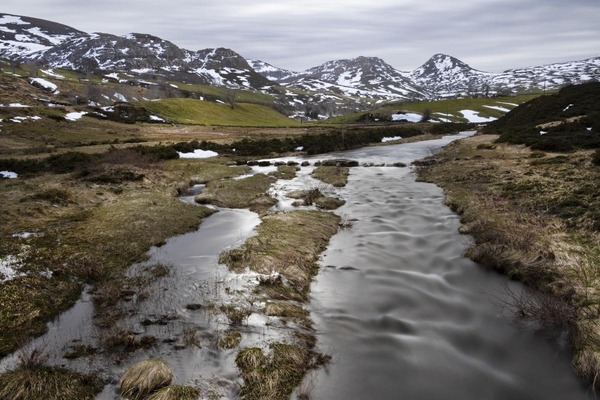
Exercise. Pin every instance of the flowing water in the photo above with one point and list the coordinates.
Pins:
(406, 316)
(403, 314)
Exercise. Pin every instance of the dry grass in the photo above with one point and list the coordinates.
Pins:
(33, 380)
(175, 392)
(230, 339)
(533, 216)
(250, 193)
(144, 378)
(285, 251)
(274, 376)
(333, 175)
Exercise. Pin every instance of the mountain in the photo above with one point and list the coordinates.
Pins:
(446, 76)
(332, 88)
(22, 36)
(27, 39)
(371, 75)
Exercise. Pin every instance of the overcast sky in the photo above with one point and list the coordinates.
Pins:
(489, 35)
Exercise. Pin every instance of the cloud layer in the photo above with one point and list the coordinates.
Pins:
(490, 35)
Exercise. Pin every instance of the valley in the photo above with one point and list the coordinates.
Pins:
(261, 233)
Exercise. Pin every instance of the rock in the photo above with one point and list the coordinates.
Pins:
(341, 162)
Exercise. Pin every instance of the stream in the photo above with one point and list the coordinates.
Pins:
(402, 313)
(406, 316)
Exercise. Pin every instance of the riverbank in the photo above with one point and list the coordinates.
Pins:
(532, 217)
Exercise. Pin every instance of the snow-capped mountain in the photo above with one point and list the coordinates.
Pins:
(333, 86)
(548, 76)
(443, 75)
(446, 76)
(22, 36)
(371, 75)
(32, 40)
(270, 72)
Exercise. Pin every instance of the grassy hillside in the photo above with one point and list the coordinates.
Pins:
(563, 121)
(449, 109)
(191, 111)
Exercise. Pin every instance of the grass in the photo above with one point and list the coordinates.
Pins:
(243, 193)
(243, 96)
(175, 392)
(190, 111)
(450, 108)
(284, 250)
(534, 219)
(144, 378)
(274, 376)
(230, 339)
(33, 380)
(336, 176)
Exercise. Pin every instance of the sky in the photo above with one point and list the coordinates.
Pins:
(489, 35)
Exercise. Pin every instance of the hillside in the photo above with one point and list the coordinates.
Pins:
(190, 111)
(334, 88)
(563, 121)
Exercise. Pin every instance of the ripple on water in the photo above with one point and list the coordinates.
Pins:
(418, 320)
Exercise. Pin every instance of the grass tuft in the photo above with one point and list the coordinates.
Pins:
(144, 378)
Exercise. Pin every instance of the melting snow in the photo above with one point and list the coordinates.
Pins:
(473, 116)
(543, 132)
(44, 83)
(198, 154)
(74, 116)
(8, 175)
(411, 117)
(53, 74)
(157, 119)
(503, 109)
(390, 139)
(567, 107)
(18, 120)
(119, 96)
(7, 269)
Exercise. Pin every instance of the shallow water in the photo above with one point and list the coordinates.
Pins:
(403, 313)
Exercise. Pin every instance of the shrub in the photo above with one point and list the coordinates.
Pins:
(596, 158)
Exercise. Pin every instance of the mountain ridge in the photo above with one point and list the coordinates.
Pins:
(360, 82)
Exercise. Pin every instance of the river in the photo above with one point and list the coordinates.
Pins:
(402, 313)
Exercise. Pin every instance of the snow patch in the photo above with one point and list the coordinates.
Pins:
(198, 153)
(12, 19)
(53, 74)
(8, 175)
(74, 116)
(411, 117)
(43, 83)
(119, 97)
(157, 119)
(503, 109)
(390, 139)
(473, 116)
(567, 107)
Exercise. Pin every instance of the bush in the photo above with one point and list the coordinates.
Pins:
(596, 158)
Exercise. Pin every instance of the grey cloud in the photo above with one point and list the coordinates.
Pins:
(490, 35)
